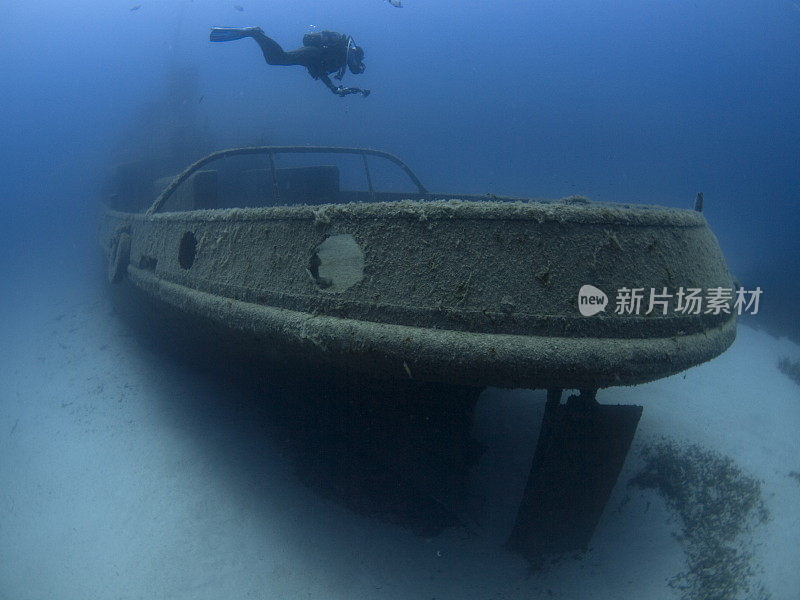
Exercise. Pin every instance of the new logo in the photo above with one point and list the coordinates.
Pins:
(591, 300)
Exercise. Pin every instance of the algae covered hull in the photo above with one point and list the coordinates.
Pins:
(468, 290)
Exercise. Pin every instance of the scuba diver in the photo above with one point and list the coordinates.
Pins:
(323, 53)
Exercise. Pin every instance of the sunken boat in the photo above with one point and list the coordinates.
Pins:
(464, 291)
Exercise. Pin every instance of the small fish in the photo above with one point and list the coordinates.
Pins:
(239, 7)
(201, 98)
(395, 3)
(136, 7)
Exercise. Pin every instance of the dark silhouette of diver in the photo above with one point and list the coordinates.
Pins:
(322, 53)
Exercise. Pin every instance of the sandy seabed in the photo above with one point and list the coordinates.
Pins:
(126, 476)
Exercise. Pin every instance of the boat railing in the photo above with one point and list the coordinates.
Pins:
(271, 151)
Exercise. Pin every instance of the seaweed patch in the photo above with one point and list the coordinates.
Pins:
(719, 508)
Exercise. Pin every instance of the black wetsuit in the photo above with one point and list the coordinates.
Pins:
(322, 53)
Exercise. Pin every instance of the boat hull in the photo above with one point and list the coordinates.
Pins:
(460, 292)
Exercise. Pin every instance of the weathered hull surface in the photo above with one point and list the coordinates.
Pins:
(464, 292)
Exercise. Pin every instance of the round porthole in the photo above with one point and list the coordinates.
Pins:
(337, 263)
(187, 250)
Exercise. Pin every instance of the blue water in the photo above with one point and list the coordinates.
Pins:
(626, 101)
(632, 101)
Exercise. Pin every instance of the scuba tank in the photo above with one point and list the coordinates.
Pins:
(324, 38)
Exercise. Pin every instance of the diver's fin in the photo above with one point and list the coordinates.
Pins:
(227, 34)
